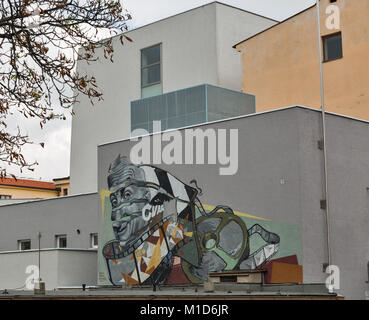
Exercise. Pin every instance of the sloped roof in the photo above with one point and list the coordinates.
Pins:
(274, 26)
(27, 183)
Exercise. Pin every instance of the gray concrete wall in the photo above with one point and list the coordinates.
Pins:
(193, 53)
(266, 155)
(12, 201)
(348, 180)
(232, 27)
(51, 217)
(280, 178)
(348, 159)
(59, 268)
(77, 267)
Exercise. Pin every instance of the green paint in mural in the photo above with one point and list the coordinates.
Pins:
(155, 230)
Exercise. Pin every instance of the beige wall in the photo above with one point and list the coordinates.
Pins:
(62, 184)
(27, 193)
(280, 66)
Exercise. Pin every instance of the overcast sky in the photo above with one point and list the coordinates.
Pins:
(54, 159)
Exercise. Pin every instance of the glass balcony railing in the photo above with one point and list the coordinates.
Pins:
(191, 106)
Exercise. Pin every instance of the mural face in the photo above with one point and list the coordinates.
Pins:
(128, 197)
(163, 234)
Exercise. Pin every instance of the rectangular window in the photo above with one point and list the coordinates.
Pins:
(332, 47)
(94, 240)
(5, 197)
(24, 245)
(65, 192)
(61, 241)
(151, 82)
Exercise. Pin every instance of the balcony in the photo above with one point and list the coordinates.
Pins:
(188, 107)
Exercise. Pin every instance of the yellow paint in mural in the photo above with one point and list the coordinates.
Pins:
(140, 253)
(103, 195)
(237, 213)
(188, 234)
(156, 257)
(106, 194)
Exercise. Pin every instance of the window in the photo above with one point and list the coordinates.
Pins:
(5, 197)
(94, 240)
(332, 47)
(24, 245)
(61, 241)
(65, 192)
(151, 83)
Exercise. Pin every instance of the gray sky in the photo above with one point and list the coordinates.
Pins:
(54, 159)
(146, 11)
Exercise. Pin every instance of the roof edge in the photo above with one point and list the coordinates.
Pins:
(244, 10)
(186, 11)
(240, 117)
(27, 187)
(285, 20)
(58, 179)
(48, 199)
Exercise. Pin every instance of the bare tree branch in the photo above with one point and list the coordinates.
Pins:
(40, 44)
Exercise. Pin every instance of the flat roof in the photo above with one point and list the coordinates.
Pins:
(241, 117)
(223, 292)
(180, 13)
(59, 179)
(31, 201)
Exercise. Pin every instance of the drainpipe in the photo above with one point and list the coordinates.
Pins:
(324, 133)
(39, 257)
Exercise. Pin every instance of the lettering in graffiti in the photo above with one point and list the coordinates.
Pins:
(149, 211)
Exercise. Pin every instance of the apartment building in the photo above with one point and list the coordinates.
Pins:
(280, 65)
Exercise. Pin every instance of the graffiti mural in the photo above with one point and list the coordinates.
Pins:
(161, 233)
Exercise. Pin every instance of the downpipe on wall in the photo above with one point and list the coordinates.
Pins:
(324, 133)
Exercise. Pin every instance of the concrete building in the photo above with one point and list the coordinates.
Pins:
(279, 186)
(73, 217)
(58, 268)
(189, 49)
(280, 179)
(268, 213)
(68, 227)
(281, 64)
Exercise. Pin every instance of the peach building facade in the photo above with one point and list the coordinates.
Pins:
(281, 65)
(26, 189)
(62, 186)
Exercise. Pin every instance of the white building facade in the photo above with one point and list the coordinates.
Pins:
(195, 48)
